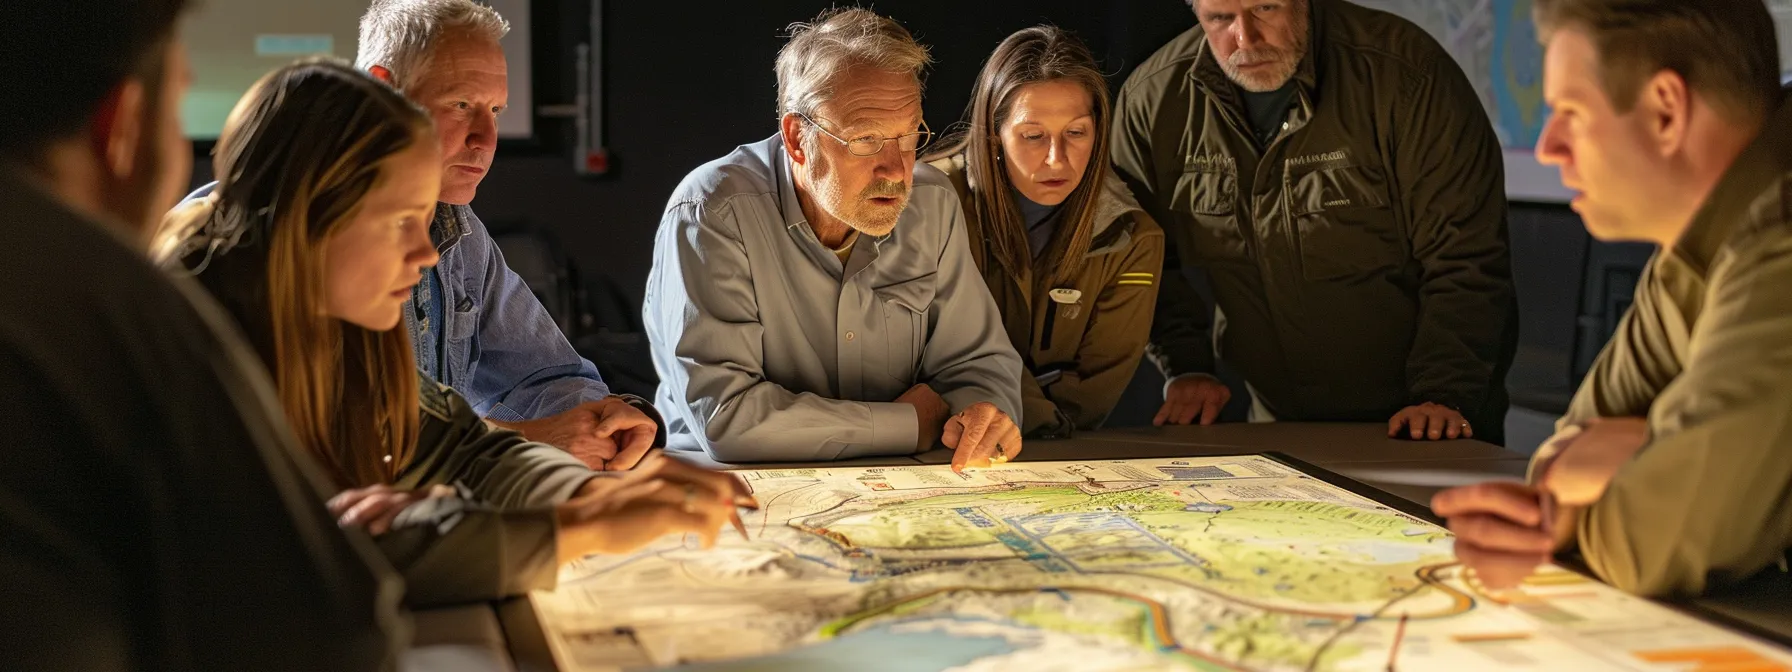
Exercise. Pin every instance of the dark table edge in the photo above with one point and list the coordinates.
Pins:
(528, 641)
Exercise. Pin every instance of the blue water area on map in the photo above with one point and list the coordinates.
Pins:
(875, 650)
(1516, 72)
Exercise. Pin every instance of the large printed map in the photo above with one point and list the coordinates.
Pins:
(1219, 563)
(1495, 42)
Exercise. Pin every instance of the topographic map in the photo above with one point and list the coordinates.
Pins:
(1496, 44)
(1218, 563)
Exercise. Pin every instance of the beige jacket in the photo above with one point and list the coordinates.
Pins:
(1087, 351)
(1705, 353)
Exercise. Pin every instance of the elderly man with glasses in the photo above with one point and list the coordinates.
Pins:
(812, 295)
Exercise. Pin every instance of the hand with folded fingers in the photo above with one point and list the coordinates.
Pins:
(981, 436)
(608, 434)
(1499, 528)
(1195, 398)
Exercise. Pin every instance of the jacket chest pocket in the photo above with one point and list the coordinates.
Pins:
(905, 306)
(1209, 196)
(464, 321)
(1343, 222)
(461, 358)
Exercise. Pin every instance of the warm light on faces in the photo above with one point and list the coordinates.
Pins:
(464, 88)
(867, 193)
(1605, 156)
(1047, 139)
(1258, 43)
(372, 261)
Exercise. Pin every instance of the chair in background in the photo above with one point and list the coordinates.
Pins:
(596, 316)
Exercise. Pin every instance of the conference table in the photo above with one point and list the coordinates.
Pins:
(505, 636)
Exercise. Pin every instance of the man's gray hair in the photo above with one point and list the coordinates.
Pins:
(837, 40)
(400, 35)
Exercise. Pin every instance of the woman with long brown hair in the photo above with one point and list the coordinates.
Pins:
(313, 240)
(1070, 257)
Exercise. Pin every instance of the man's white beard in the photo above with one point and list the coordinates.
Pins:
(856, 210)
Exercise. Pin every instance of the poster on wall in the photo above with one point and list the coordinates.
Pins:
(233, 44)
(1495, 42)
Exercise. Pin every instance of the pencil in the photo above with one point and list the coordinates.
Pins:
(1399, 635)
(739, 526)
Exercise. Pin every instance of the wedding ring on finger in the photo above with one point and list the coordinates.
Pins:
(690, 498)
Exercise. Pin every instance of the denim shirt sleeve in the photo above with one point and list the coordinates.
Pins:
(516, 364)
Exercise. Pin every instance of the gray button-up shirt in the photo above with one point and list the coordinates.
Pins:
(769, 348)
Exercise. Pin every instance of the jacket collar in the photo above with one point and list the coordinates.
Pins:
(1113, 203)
(1766, 161)
(1213, 80)
(449, 226)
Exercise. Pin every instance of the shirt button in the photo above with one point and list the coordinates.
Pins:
(850, 336)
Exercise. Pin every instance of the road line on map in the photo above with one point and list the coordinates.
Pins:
(1399, 637)
(1484, 637)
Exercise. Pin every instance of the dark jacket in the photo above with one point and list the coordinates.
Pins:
(156, 512)
(1085, 352)
(1359, 261)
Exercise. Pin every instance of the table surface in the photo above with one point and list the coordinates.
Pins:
(474, 637)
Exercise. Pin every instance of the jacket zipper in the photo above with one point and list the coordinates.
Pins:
(1263, 157)
(1051, 317)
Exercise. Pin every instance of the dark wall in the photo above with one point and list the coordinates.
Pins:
(686, 84)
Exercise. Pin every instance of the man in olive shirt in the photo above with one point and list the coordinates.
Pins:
(1672, 471)
(1331, 170)
(154, 511)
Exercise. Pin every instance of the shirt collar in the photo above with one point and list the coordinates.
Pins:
(797, 225)
(787, 199)
(449, 226)
(1766, 160)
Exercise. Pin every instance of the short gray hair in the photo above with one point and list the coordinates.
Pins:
(837, 40)
(400, 34)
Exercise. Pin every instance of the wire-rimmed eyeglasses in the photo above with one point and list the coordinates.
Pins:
(869, 146)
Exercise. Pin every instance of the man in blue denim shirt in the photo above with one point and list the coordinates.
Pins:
(475, 325)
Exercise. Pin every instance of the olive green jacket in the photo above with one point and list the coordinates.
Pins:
(1359, 262)
(1080, 355)
(498, 538)
(1705, 353)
